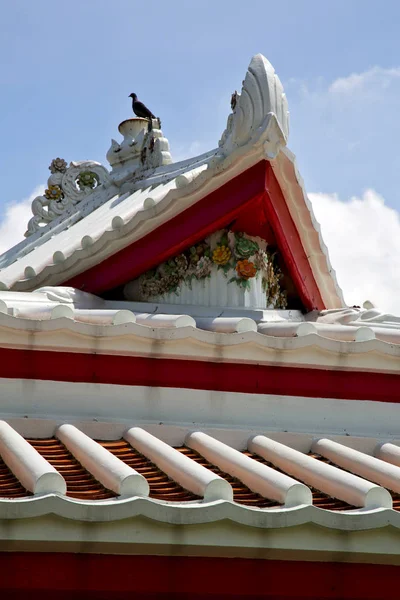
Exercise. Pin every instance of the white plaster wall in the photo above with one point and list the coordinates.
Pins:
(113, 408)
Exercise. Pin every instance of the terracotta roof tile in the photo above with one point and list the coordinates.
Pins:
(395, 496)
(161, 486)
(83, 486)
(10, 487)
(320, 500)
(241, 493)
(80, 483)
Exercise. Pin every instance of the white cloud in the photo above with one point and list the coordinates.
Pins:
(16, 216)
(377, 77)
(363, 239)
(345, 131)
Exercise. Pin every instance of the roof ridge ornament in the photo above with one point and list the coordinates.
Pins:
(260, 113)
(67, 186)
(144, 147)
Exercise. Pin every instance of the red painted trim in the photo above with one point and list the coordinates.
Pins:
(215, 211)
(290, 245)
(203, 375)
(98, 576)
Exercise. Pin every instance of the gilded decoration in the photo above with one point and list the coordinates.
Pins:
(240, 257)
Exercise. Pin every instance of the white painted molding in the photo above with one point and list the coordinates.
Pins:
(353, 460)
(186, 472)
(266, 522)
(300, 208)
(336, 324)
(258, 477)
(32, 470)
(104, 316)
(112, 472)
(326, 478)
(185, 342)
(61, 311)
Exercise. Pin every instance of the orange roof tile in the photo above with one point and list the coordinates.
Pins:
(10, 487)
(80, 483)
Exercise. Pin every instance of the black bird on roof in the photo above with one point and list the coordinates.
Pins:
(140, 109)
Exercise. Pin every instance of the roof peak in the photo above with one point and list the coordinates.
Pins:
(259, 117)
(102, 213)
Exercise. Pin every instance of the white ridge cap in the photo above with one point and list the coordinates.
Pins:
(388, 452)
(330, 480)
(188, 473)
(227, 324)
(374, 469)
(112, 472)
(33, 471)
(156, 320)
(258, 477)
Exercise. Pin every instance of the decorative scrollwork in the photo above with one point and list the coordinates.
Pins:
(67, 186)
(260, 113)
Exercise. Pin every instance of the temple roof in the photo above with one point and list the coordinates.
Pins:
(152, 426)
(85, 229)
(197, 477)
(193, 467)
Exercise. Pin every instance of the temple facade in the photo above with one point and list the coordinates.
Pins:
(188, 408)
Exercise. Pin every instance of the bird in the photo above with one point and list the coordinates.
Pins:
(140, 109)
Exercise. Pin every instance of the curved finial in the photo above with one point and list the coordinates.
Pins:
(259, 113)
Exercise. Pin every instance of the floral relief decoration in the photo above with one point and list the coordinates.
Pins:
(66, 187)
(237, 255)
(87, 179)
(54, 192)
(58, 165)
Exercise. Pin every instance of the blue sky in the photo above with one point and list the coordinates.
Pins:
(66, 70)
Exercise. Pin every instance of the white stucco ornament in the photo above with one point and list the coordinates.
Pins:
(259, 113)
(356, 316)
(144, 147)
(227, 269)
(66, 187)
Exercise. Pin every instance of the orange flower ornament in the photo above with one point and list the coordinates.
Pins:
(246, 269)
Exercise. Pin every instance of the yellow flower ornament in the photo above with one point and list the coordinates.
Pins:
(54, 192)
(221, 255)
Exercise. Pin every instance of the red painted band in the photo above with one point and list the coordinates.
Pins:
(290, 245)
(99, 576)
(203, 375)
